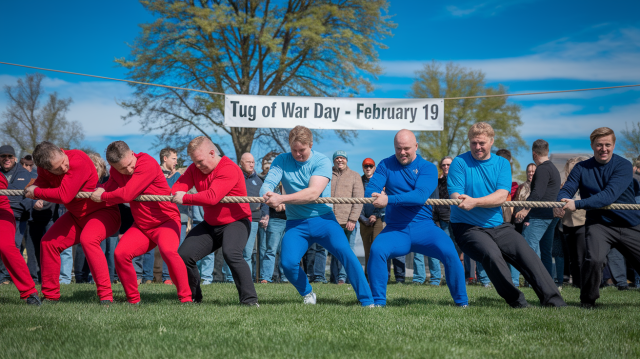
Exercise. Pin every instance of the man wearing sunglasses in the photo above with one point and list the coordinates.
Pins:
(17, 178)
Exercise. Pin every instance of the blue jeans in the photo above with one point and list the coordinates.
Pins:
(66, 265)
(317, 263)
(21, 229)
(301, 233)
(399, 268)
(336, 266)
(480, 272)
(420, 273)
(108, 246)
(539, 236)
(420, 237)
(165, 269)
(246, 253)
(144, 265)
(270, 240)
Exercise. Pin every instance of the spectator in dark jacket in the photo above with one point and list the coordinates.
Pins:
(17, 178)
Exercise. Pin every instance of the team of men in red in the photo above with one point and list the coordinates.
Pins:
(155, 223)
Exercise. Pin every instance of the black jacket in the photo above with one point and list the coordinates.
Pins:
(18, 178)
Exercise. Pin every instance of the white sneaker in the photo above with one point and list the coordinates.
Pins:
(310, 298)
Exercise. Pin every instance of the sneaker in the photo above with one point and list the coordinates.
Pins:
(463, 306)
(623, 287)
(264, 281)
(310, 298)
(370, 306)
(33, 299)
(148, 281)
(587, 305)
(168, 282)
(197, 297)
(6, 282)
(340, 282)
(106, 302)
(254, 304)
(139, 281)
(487, 286)
(520, 305)
(380, 305)
(206, 282)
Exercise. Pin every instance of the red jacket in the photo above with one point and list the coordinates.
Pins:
(225, 180)
(81, 177)
(147, 178)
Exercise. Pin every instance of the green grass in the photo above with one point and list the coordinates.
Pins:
(419, 321)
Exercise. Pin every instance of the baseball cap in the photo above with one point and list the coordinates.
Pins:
(7, 150)
(340, 153)
(368, 161)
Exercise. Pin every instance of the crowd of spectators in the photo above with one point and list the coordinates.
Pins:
(558, 238)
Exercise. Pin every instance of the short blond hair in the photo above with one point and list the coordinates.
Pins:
(301, 134)
(197, 142)
(481, 128)
(602, 132)
(100, 165)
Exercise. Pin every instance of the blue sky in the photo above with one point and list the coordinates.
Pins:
(524, 45)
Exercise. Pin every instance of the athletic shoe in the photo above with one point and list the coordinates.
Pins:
(521, 305)
(623, 287)
(370, 306)
(168, 282)
(139, 281)
(33, 300)
(264, 281)
(148, 281)
(6, 282)
(197, 297)
(487, 286)
(380, 305)
(464, 306)
(206, 282)
(106, 302)
(254, 304)
(340, 282)
(310, 298)
(587, 305)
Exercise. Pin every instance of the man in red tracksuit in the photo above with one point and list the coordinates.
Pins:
(155, 223)
(61, 175)
(10, 255)
(225, 225)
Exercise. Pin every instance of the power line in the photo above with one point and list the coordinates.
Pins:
(220, 93)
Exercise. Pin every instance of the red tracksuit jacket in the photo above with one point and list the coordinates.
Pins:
(147, 178)
(81, 177)
(225, 180)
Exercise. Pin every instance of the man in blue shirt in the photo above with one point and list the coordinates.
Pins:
(604, 179)
(305, 176)
(408, 181)
(482, 182)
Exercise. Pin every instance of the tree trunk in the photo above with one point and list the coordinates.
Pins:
(242, 140)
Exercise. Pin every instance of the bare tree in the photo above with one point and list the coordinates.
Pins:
(630, 141)
(28, 122)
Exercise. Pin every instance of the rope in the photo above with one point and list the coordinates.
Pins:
(222, 94)
(338, 200)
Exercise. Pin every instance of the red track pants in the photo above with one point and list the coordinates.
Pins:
(136, 242)
(11, 257)
(89, 231)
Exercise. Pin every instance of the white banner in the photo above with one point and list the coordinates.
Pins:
(338, 113)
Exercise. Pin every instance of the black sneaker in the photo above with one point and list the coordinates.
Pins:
(623, 287)
(254, 304)
(587, 305)
(520, 305)
(33, 299)
(197, 297)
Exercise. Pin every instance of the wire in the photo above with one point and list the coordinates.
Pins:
(220, 93)
(113, 79)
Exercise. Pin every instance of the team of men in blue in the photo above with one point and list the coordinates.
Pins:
(402, 183)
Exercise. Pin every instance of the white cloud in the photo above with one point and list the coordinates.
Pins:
(612, 57)
(563, 121)
(487, 8)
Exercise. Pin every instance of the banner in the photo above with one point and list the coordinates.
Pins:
(337, 113)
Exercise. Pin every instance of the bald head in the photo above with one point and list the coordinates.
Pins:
(406, 146)
(247, 163)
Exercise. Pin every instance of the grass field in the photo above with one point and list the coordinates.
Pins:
(419, 321)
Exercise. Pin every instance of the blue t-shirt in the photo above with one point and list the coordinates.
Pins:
(295, 177)
(478, 179)
(408, 188)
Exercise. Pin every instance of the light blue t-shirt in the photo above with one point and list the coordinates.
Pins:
(295, 177)
(478, 179)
